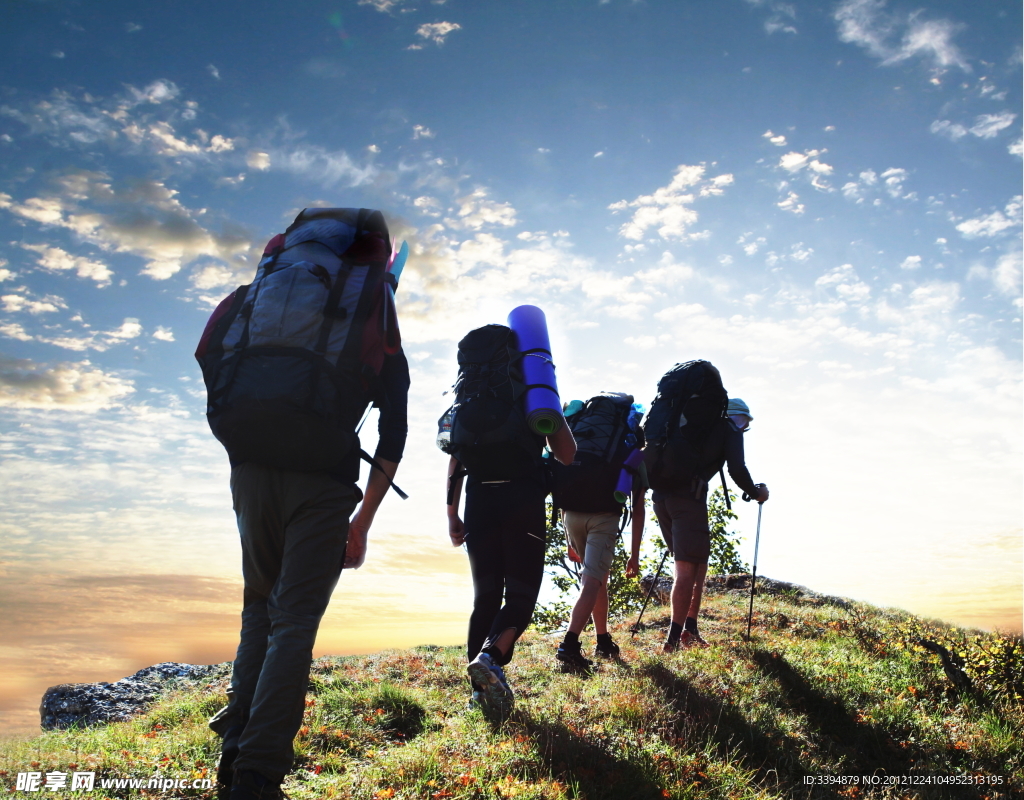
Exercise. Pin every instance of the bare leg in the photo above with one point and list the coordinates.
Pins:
(698, 591)
(601, 610)
(586, 604)
(683, 589)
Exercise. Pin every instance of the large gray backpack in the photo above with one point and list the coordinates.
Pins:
(291, 360)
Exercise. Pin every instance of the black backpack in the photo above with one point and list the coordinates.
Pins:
(486, 426)
(690, 401)
(603, 440)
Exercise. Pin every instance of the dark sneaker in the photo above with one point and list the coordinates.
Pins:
(692, 639)
(606, 648)
(251, 785)
(670, 646)
(572, 657)
(495, 693)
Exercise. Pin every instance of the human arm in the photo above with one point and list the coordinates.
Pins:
(563, 445)
(737, 467)
(456, 528)
(639, 519)
(392, 428)
(377, 486)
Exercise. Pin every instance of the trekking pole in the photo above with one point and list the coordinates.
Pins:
(753, 573)
(654, 583)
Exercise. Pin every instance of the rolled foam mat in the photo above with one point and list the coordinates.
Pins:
(540, 402)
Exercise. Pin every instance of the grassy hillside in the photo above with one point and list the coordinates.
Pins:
(819, 691)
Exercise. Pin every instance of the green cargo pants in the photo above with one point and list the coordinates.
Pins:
(293, 527)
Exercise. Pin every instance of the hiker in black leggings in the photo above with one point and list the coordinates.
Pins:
(504, 537)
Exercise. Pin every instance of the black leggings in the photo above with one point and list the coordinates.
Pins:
(505, 538)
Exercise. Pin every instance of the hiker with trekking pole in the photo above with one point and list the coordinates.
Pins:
(592, 493)
(692, 431)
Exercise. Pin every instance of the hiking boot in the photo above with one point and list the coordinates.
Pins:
(572, 657)
(251, 785)
(476, 700)
(692, 639)
(495, 693)
(605, 647)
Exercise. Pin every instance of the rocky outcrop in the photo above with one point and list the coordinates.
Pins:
(740, 584)
(77, 704)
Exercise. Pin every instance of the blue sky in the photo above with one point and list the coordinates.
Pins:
(824, 199)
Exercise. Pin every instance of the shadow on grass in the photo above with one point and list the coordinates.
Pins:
(703, 717)
(597, 772)
(777, 759)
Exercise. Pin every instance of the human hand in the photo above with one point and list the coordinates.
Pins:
(763, 493)
(355, 549)
(574, 557)
(632, 567)
(456, 530)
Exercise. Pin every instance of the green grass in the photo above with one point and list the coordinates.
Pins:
(819, 691)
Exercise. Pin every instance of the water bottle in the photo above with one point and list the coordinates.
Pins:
(444, 430)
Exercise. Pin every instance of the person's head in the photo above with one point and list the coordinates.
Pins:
(739, 412)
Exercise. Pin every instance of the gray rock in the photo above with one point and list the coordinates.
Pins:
(739, 583)
(78, 704)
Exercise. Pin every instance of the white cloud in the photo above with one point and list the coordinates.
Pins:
(159, 91)
(995, 223)
(430, 206)
(846, 284)
(794, 162)
(781, 18)
(145, 219)
(911, 262)
(437, 31)
(667, 209)
(383, 6)
(893, 179)
(476, 211)
(19, 302)
(896, 37)
(257, 159)
(1016, 148)
(987, 126)
(792, 204)
(944, 127)
(163, 334)
(422, 132)
(70, 386)
(213, 71)
(1007, 275)
(327, 167)
(778, 140)
(55, 259)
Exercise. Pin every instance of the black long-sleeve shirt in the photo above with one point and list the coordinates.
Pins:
(723, 446)
(393, 424)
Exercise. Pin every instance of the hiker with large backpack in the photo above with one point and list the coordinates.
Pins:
(494, 448)
(290, 362)
(592, 493)
(693, 429)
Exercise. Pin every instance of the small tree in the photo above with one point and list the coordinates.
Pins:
(624, 594)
